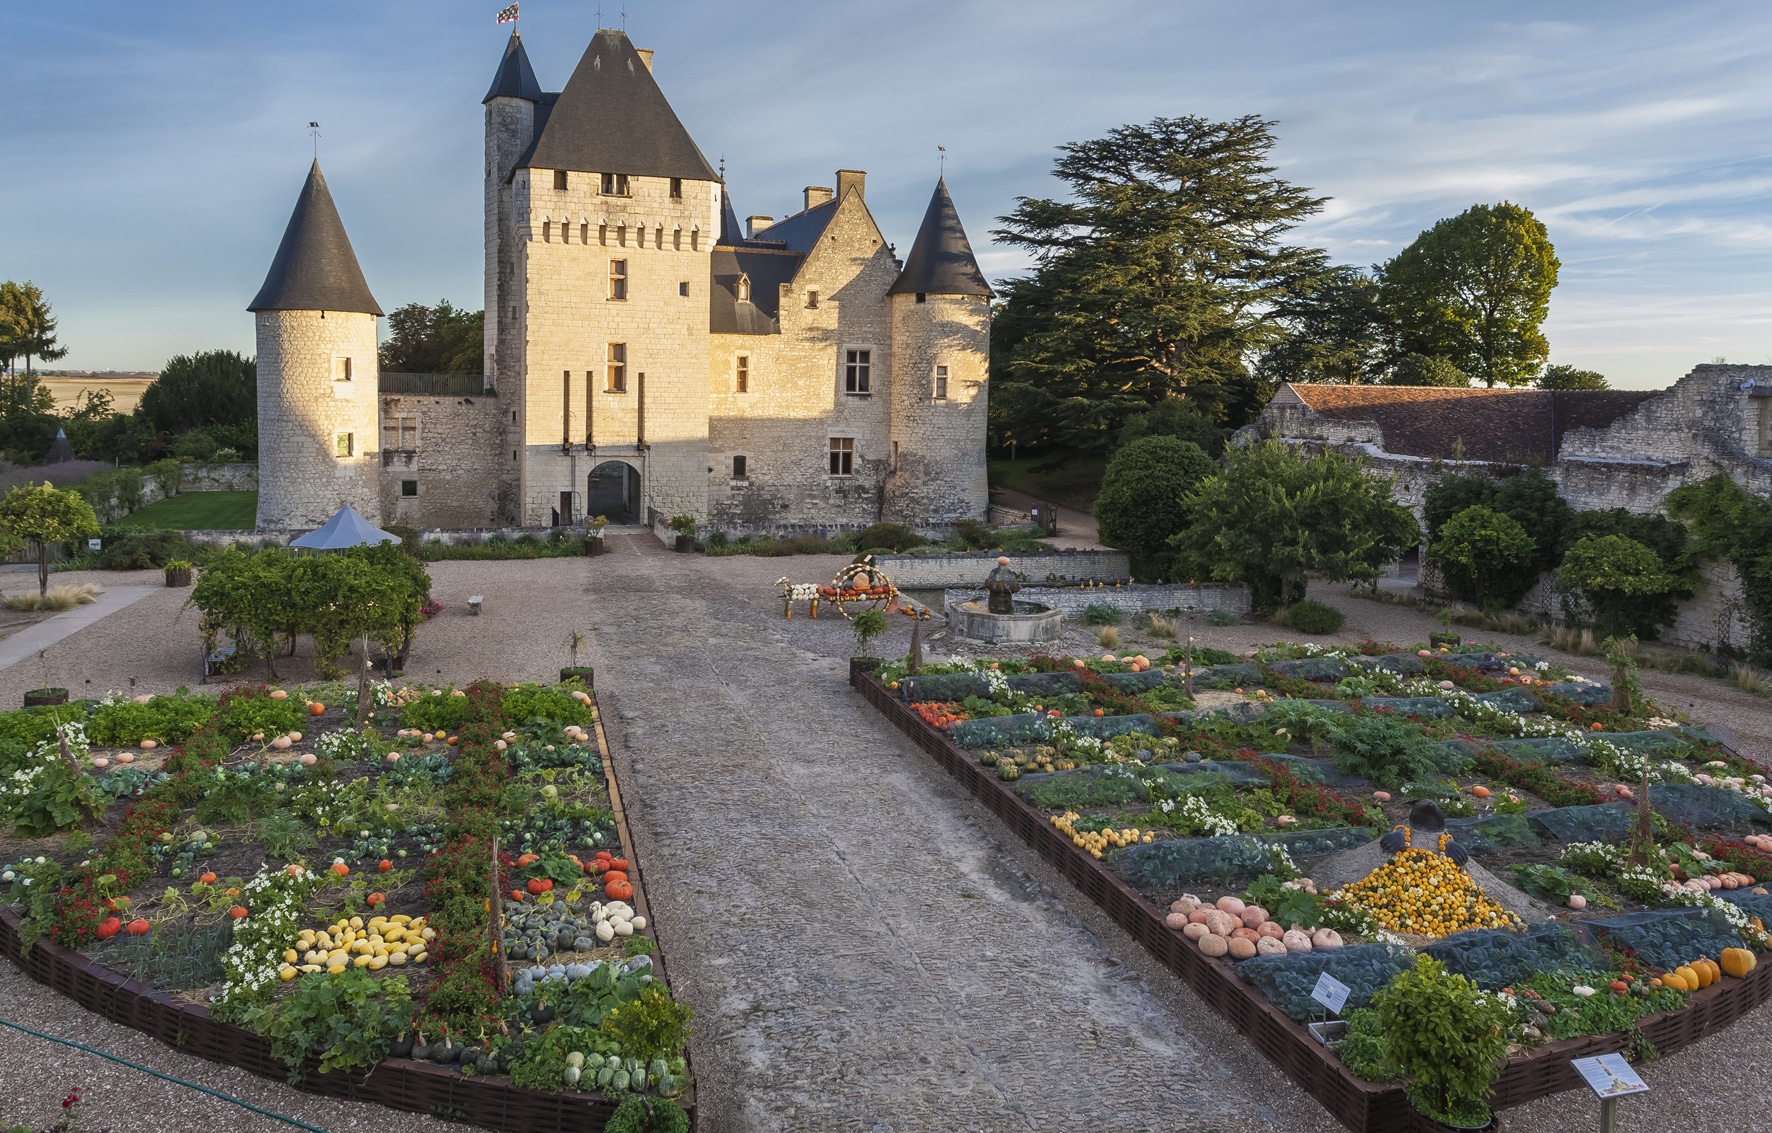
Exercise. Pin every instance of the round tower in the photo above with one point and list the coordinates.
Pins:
(941, 334)
(318, 420)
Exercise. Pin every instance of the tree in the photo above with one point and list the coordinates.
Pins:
(1426, 370)
(1616, 574)
(1273, 516)
(434, 340)
(1175, 417)
(27, 329)
(42, 514)
(1157, 279)
(1474, 289)
(1568, 377)
(1139, 506)
(217, 387)
(1727, 522)
(1335, 332)
(1530, 500)
(1485, 557)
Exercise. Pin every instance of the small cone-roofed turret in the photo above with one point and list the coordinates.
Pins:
(315, 268)
(515, 77)
(941, 260)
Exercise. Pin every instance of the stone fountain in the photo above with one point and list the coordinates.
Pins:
(1001, 618)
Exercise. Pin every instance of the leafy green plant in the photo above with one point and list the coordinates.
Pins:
(652, 1025)
(1363, 1050)
(442, 710)
(683, 524)
(246, 716)
(285, 836)
(525, 703)
(638, 945)
(1101, 614)
(1381, 748)
(168, 719)
(638, 1114)
(1443, 1032)
(1221, 618)
(347, 1019)
(1313, 617)
(866, 626)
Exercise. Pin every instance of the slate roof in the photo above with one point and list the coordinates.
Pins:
(612, 118)
(800, 232)
(346, 528)
(315, 268)
(1501, 425)
(515, 78)
(768, 269)
(941, 260)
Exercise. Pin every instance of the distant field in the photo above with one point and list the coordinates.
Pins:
(199, 511)
(126, 393)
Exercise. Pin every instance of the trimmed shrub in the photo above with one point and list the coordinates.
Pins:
(1101, 614)
(1486, 557)
(893, 535)
(1140, 506)
(1310, 616)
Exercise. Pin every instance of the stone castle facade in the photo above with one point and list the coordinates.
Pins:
(644, 355)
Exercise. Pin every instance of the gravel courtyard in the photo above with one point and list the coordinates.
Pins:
(865, 947)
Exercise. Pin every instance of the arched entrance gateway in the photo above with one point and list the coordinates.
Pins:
(613, 490)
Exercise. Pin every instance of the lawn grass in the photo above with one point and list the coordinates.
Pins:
(1074, 482)
(199, 511)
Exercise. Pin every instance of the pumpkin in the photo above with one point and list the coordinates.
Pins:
(278, 694)
(1325, 939)
(1738, 962)
(540, 885)
(1382, 796)
(526, 859)
(1220, 923)
(109, 927)
(619, 863)
(376, 898)
(340, 868)
(139, 927)
(1707, 968)
(239, 911)
(308, 758)
(619, 890)
(1269, 946)
(150, 745)
(1176, 920)
(1214, 945)
(1240, 948)
(207, 879)
(1242, 933)
(281, 743)
(295, 737)
(1271, 928)
(1253, 915)
(1690, 975)
(315, 708)
(1232, 905)
(1480, 792)
(1194, 931)
(516, 895)
(1184, 904)
(1295, 940)
(384, 865)
(614, 876)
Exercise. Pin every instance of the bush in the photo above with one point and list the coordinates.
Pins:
(896, 537)
(137, 548)
(247, 716)
(1530, 501)
(1625, 583)
(1222, 618)
(169, 719)
(1101, 614)
(441, 711)
(1485, 557)
(1175, 417)
(1140, 504)
(1381, 748)
(1310, 616)
(1442, 1031)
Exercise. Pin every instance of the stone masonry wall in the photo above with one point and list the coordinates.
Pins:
(1208, 598)
(218, 478)
(302, 410)
(938, 444)
(796, 399)
(458, 465)
(570, 238)
(968, 568)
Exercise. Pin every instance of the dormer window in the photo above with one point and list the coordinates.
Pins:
(744, 288)
(616, 185)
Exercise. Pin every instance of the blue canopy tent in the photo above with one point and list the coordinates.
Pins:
(346, 529)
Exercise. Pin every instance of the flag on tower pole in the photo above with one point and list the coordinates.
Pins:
(508, 15)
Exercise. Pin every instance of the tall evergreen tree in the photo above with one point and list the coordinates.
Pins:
(1336, 332)
(434, 340)
(27, 329)
(1158, 278)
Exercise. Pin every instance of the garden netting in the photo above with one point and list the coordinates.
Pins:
(1707, 808)
(1117, 785)
(1316, 770)
(1330, 705)
(1312, 668)
(1495, 958)
(1400, 664)
(1493, 832)
(1757, 904)
(1511, 700)
(1662, 745)
(1585, 693)
(1426, 707)
(1233, 859)
(1000, 731)
(1227, 676)
(1492, 662)
(943, 686)
(1603, 822)
(1135, 683)
(1668, 938)
(1288, 980)
(1545, 749)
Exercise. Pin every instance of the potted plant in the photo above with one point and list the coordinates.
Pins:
(584, 673)
(178, 572)
(1447, 1035)
(594, 526)
(684, 526)
(43, 694)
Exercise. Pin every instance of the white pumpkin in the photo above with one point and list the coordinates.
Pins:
(1295, 940)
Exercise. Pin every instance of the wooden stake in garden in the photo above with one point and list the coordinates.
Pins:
(363, 697)
(915, 664)
(495, 920)
(1642, 839)
(1188, 686)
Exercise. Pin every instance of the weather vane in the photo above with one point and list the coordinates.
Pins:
(943, 159)
(314, 129)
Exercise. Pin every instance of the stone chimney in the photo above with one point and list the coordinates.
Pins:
(816, 195)
(645, 54)
(755, 225)
(848, 179)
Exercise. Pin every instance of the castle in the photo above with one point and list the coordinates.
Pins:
(644, 357)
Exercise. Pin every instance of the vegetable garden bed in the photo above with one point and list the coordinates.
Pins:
(966, 719)
(434, 778)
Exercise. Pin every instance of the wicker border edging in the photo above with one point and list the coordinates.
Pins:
(397, 1083)
(1361, 1106)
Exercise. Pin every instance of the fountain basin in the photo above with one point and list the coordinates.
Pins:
(1030, 623)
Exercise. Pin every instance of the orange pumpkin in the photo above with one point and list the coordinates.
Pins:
(109, 927)
(526, 859)
(340, 868)
(619, 863)
(207, 879)
(238, 911)
(1738, 962)
(315, 708)
(620, 890)
(139, 927)
(384, 865)
(516, 894)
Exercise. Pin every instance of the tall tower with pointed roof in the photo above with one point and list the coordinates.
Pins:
(941, 334)
(317, 409)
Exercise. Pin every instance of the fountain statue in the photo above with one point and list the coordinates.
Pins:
(1001, 584)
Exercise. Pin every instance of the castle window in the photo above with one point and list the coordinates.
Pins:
(616, 185)
(618, 368)
(858, 371)
(618, 279)
(566, 408)
(399, 434)
(842, 456)
(621, 235)
(744, 288)
(658, 237)
(341, 369)
(677, 239)
(584, 232)
(812, 299)
(344, 444)
(922, 298)
(409, 488)
(602, 234)
(941, 383)
(559, 178)
(738, 468)
(547, 228)
(683, 288)
(743, 382)
(676, 188)
(695, 239)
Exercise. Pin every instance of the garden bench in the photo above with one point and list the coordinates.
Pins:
(214, 661)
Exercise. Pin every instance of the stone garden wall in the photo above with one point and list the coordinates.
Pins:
(241, 477)
(968, 568)
(1231, 598)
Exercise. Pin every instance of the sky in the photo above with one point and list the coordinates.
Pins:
(155, 150)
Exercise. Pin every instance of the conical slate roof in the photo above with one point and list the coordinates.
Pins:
(515, 77)
(612, 118)
(315, 268)
(60, 450)
(346, 528)
(941, 260)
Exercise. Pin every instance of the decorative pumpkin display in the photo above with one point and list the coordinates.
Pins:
(620, 890)
(1738, 962)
